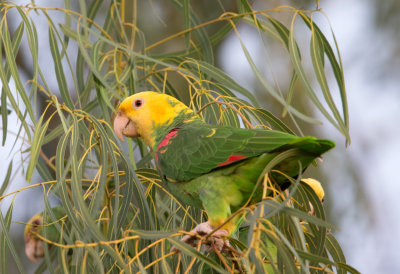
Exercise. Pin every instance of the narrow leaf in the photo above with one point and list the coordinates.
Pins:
(5, 226)
(317, 55)
(186, 16)
(11, 61)
(3, 105)
(185, 248)
(36, 147)
(272, 91)
(58, 67)
(6, 180)
(296, 61)
(336, 65)
(335, 251)
(225, 80)
(326, 261)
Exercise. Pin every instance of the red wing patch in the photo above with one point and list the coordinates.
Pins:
(165, 142)
(232, 159)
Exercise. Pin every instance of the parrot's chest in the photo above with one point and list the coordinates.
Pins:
(184, 192)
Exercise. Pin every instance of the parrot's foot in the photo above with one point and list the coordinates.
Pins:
(215, 242)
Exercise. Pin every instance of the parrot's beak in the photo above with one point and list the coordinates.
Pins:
(123, 126)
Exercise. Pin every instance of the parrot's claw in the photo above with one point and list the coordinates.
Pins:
(215, 242)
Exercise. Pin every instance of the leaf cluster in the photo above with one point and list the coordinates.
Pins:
(118, 216)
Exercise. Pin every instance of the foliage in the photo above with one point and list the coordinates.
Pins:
(118, 215)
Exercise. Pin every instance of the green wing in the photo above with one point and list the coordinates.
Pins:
(194, 150)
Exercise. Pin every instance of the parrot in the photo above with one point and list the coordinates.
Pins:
(211, 167)
(34, 246)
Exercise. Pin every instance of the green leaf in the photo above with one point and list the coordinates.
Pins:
(336, 65)
(326, 261)
(273, 121)
(335, 251)
(153, 235)
(223, 79)
(58, 67)
(6, 180)
(296, 61)
(304, 196)
(290, 93)
(185, 248)
(5, 74)
(11, 61)
(317, 57)
(36, 147)
(5, 238)
(186, 16)
(3, 249)
(272, 91)
(203, 38)
(3, 107)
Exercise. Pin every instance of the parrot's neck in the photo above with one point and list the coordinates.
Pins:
(153, 126)
(180, 121)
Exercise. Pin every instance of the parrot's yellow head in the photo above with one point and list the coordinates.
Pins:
(140, 114)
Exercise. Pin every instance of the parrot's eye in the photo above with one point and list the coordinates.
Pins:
(138, 103)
